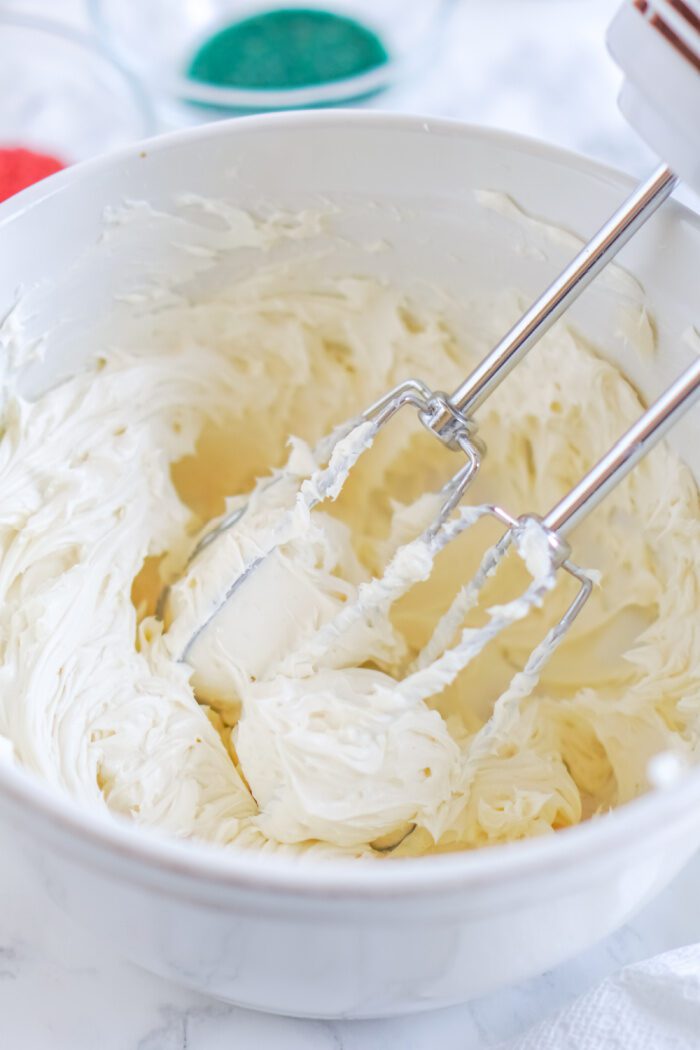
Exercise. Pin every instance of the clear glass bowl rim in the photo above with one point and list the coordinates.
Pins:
(95, 46)
(331, 93)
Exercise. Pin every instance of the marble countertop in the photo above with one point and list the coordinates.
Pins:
(539, 67)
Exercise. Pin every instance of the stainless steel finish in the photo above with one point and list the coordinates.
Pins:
(585, 497)
(626, 453)
(532, 597)
(411, 393)
(603, 247)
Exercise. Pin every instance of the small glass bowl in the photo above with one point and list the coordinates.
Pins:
(157, 39)
(63, 94)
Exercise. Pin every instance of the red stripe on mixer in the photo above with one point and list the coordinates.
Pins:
(658, 23)
(682, 8)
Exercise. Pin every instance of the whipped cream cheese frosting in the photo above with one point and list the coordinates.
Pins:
(320, 718)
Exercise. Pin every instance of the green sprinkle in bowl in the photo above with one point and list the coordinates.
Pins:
(222, 57)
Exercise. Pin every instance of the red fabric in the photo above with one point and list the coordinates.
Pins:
(20, 168)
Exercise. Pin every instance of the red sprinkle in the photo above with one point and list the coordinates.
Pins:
(20, 168)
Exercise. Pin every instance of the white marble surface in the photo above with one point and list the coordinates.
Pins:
(539, 67)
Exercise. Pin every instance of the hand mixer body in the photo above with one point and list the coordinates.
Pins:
(656, 43)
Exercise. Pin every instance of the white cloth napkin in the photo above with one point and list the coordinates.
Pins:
(653, 1005)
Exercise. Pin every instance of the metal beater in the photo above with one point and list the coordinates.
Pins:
(450, 418)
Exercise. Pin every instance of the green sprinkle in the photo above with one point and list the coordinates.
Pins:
(287, 48)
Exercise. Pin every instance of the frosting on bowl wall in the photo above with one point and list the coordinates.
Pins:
(107, 479)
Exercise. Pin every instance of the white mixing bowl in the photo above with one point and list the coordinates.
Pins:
(330, 939)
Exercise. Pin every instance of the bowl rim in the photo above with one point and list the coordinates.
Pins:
(235, 869)
(331, 93)
(95, 47)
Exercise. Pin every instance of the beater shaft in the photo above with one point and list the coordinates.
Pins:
(626, 453)
(556, 299)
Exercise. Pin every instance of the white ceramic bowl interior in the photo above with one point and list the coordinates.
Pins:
(331, 939)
